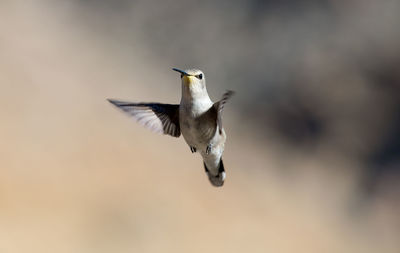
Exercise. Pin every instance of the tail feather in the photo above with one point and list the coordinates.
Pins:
(219, 179)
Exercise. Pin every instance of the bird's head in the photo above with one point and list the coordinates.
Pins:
(193, 81)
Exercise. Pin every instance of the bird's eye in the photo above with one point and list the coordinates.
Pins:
(181, 76)
(200, 76)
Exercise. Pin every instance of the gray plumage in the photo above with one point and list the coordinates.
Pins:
(196, 117)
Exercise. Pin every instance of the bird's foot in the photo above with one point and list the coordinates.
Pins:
(193, 149)
(208, 149)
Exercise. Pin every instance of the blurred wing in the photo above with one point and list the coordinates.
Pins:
(219, 107)
(159, 118)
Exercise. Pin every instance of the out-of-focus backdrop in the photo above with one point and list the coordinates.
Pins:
(313, 151)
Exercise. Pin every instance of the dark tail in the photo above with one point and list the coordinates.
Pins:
(219, 179)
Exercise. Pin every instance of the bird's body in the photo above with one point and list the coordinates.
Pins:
(198, 123)
(196, 117)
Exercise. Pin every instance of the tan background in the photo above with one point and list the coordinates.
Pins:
(78, 176)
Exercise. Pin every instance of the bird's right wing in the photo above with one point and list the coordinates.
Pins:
(219, 106)
(159, 118)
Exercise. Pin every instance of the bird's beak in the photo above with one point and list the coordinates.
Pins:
(186, 78)
(181, 71)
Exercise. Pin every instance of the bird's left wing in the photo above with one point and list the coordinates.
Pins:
(159, 118)
(219, 107)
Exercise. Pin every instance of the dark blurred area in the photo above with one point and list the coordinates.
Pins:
(315, 73)
(313, 154)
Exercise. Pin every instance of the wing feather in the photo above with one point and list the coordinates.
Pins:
(159, 118)
(219, 107)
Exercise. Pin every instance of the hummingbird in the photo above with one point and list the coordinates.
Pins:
(197, 118)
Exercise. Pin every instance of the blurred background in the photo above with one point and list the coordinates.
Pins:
(313, 154)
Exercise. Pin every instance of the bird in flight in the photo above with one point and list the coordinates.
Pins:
(196, 117)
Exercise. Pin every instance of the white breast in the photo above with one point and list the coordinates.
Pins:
(189, 111)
